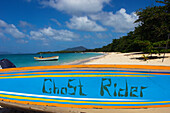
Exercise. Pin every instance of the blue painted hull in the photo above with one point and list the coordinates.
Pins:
(83, 88)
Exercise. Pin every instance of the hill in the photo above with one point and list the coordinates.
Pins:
(68, 50)
(79, 48)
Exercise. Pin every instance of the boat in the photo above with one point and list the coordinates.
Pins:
(5, 63)
(52, 88)
(46, 58)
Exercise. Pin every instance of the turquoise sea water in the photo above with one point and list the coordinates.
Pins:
(24, 60)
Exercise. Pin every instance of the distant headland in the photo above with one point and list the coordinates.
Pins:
(68, 50)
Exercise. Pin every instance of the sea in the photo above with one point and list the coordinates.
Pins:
(26, 60)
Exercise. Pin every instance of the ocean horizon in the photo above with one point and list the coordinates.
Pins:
(27, 60)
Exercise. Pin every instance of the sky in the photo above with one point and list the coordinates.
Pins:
(30, 26)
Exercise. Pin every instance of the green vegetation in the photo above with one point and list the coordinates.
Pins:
(150, 35)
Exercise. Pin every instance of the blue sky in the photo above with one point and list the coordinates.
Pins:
(29, 26)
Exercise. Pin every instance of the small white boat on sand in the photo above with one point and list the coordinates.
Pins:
(46, 58)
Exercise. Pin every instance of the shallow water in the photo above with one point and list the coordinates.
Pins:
(24, 60)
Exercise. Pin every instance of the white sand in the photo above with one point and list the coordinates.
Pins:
(130, 59)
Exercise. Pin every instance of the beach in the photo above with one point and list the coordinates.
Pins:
(112, 58)
(130, 59)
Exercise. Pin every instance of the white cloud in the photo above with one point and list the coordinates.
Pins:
(36, 35)
(25, 24)
(3, 23)
(84, 24)
(10, 29)
(76, 6)
(56, 21)
(50, 33)
(120, 21)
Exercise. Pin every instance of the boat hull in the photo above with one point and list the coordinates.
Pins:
(86, 87)
(47, 58)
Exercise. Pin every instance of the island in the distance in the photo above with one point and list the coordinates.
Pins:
(68, 50)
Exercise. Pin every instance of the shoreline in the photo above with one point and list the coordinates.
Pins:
(83, 61)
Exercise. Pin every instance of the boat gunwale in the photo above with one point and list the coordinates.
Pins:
(90, 67)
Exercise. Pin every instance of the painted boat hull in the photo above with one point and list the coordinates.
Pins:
(86, 86)
(47, 58)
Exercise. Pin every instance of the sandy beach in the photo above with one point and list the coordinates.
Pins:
(130, 59)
